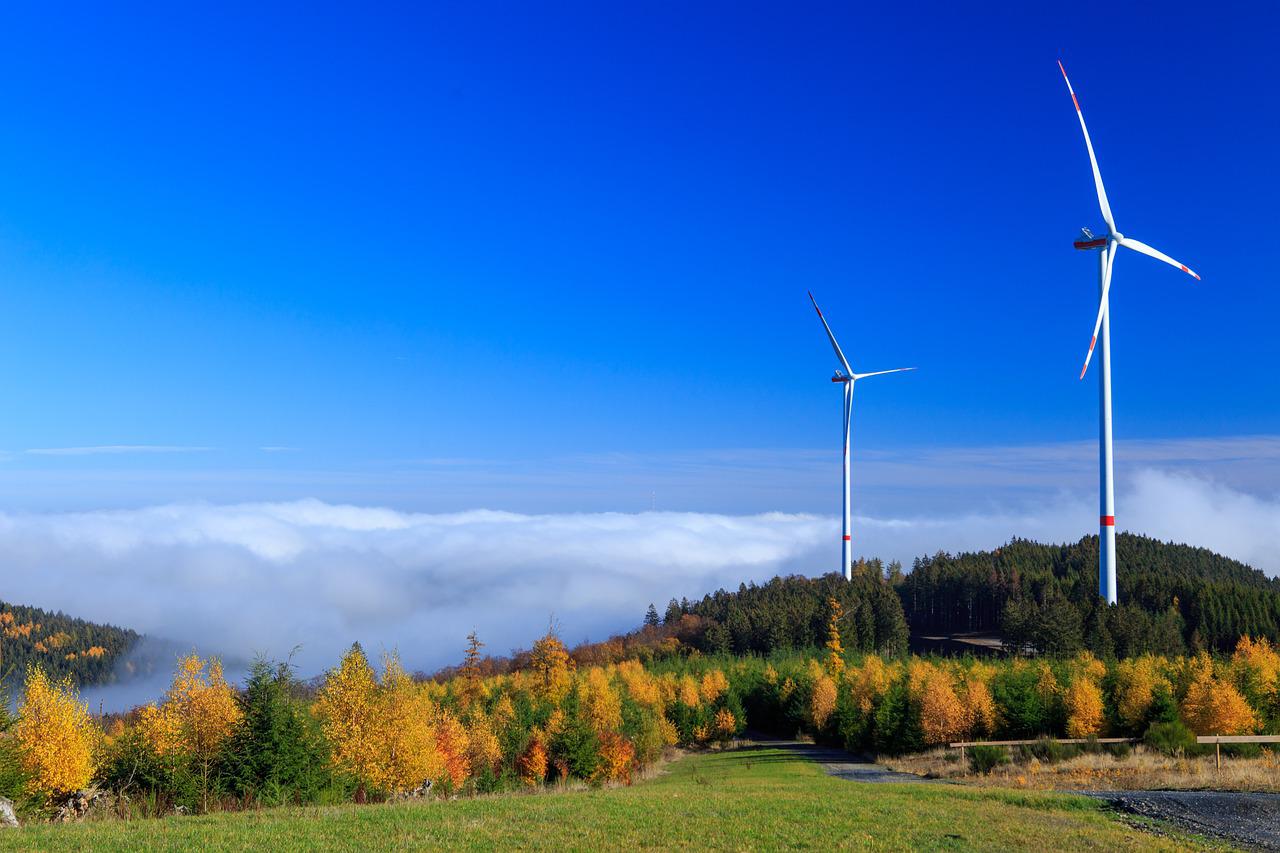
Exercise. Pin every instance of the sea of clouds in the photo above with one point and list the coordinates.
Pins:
(266, 578)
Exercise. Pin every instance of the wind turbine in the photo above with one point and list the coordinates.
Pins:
(1106, 261)
(847, 378)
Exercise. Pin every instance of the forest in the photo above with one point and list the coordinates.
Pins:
(1175, 598)
(60, 645)
(368, 733)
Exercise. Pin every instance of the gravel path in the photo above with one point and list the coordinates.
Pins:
(837, 762)
(1252, 820)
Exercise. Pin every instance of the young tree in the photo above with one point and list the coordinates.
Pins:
(198, 714)
(835, 651)
(550, 661)
(275, 754)
(348, 706)
(472, 686)
(55, 736)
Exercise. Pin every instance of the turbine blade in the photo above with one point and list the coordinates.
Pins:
(881, 372)
(835, 346)
(1102, 307)
(1139, 246)
(1093, 160)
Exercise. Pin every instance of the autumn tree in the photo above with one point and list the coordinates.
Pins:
(1213, 706)
(55, 736)
(1083, 701)
(943, 717)
(348, 706)
(550, 662)
(822, 701)
(835, 651)
(198, 714)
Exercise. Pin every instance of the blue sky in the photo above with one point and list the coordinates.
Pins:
(291, 294)
(405, 242)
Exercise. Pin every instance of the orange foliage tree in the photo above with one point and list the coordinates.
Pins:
(943, 718)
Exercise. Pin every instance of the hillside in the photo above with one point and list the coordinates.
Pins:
(1173, 597)
(61, 644)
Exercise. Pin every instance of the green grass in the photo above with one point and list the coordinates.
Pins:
(748, 799)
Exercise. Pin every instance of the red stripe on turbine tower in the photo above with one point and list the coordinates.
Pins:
(847, 538)
(1107, 520)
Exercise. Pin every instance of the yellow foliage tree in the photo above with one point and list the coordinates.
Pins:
(1215, 707)
(1136, 683)
(550, 663)
(979, 705)
(822, 700)
(600, 702)
(713, 685)
(1083, 700)
(688, 691)
(405, 751)
(1257, 665)
(198, 714)
(869, 682)
(348, 706)
(835, 651)
(55, 737)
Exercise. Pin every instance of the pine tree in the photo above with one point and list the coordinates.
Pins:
(651, 617)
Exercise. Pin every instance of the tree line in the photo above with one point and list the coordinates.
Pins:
(1174, 598)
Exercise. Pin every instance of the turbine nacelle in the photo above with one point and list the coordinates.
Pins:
(1088, 241)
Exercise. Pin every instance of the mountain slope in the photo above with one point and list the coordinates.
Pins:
(63, 645)
(1173, 597)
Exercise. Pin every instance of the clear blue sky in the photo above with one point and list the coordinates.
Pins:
(398, 241)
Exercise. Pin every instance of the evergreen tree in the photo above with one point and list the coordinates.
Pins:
(651, 617)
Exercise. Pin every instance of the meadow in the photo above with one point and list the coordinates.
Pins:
(742, 799)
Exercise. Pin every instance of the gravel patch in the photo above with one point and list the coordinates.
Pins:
(1252, 820)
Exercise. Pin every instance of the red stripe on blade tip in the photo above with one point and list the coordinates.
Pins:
(1107, 520)
(847, 538)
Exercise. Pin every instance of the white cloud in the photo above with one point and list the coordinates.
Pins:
(263, 577)
(113, 449)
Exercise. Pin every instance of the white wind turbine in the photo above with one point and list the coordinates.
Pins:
(1106, 260)
(847, 378)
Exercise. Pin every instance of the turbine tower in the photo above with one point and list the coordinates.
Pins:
(847, 379)
(1106, 261)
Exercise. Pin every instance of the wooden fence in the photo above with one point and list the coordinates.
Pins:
(1219, 740)
(960, 745)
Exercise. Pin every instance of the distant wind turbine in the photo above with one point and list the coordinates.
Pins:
(847, 378)
(1106, 260)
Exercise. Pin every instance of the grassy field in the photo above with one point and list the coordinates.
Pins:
(745, 799)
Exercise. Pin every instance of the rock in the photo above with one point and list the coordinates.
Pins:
(422, 790)
(80, 804)
(8, 817)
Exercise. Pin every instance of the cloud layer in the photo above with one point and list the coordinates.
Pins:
(264, 577)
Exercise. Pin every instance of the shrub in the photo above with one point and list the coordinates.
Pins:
(984, 759)
(1173, 739)
(1051, 751)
